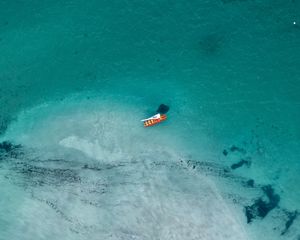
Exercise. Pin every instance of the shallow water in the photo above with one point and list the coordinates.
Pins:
(77, 77)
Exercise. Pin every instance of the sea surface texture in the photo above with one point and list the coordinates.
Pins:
(77, 77)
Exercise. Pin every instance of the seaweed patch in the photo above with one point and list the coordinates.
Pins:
(38, 176)
(54, 207)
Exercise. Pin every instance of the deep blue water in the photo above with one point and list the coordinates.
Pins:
(76, 78)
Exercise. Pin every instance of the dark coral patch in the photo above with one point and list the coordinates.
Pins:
(8, 146)
(261, 208)
(250, 183)
(233, 149)
(163, 109)
(9, 150)
(237, 149)
(291, 217)
(242, 162)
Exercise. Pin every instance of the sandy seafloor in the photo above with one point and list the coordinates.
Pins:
(76, 78)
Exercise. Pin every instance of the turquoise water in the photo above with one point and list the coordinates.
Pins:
(76, 78)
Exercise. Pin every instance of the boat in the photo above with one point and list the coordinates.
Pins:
(157, 118)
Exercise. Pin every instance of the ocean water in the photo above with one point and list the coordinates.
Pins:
(76, 78)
